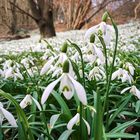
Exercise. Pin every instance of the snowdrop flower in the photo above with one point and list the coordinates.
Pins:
(104, 28)
(27, 62)
(130, 68)
(40, 47)
(76, 120)
(133, 90)
(96, 73)
(89, 54)
(92, 53)
(123, 75)
(8, 72)
(5, 114)
(13, 73)
(60, 59)
(68, 86)
(7, 64)
(46, 66)
(28, 101)
(17, 74)
(99, 54)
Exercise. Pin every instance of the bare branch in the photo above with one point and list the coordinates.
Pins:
(22, 11)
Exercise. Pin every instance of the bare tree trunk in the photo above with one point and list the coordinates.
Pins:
(14, 19)
(42, 11)
(46, 25)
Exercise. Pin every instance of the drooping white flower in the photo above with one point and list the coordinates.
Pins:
(132, 90)
(46, 67)
(5, 114)
(99, 53)
(97, 73)
(62, 58)
(93, 53)
(8, 73)
(7, 64)
(105, 28)
(67, 86)
(59, 60)
(11, 70)
(53, 120)
(76, 120)
(28, 61)
(28, 101)
(123, 75)
(130, 68)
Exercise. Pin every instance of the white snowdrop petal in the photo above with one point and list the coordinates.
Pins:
(135, 91)
(53, 120)
(99, 54)
(37, 103)
(131, 69)
(125, 89)
(110, 28)
(88, 126)
(46, 67)
(1, 117)
(26, 101)
(107, 39)
(90, 31)
(115, 74)
(66, 87)
(48, 90)
(80, 91)
(138, 93)
(73, 121)
(9, 117)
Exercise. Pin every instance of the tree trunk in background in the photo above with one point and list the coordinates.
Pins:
(14, 18)
(42, 11)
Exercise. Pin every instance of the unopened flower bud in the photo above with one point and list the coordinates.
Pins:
(92, 38)
(64, 47)
(66, 67)
(105, 17)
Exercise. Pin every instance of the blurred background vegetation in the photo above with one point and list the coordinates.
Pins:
(16, 15)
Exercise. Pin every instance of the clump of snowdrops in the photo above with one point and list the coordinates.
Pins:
(77, 93)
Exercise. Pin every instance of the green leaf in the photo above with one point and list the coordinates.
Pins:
(119, 109)
(65, 135)
(123, 126)
(120, 135)
(62, 104)
(98, 117)
(21, 116)
(137, 109)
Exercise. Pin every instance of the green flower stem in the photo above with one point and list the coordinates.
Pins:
(33, 107)
(105, 52)
(83, 81)
(105, 105)
(50, 47)
(43, 118)
(97, 129)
